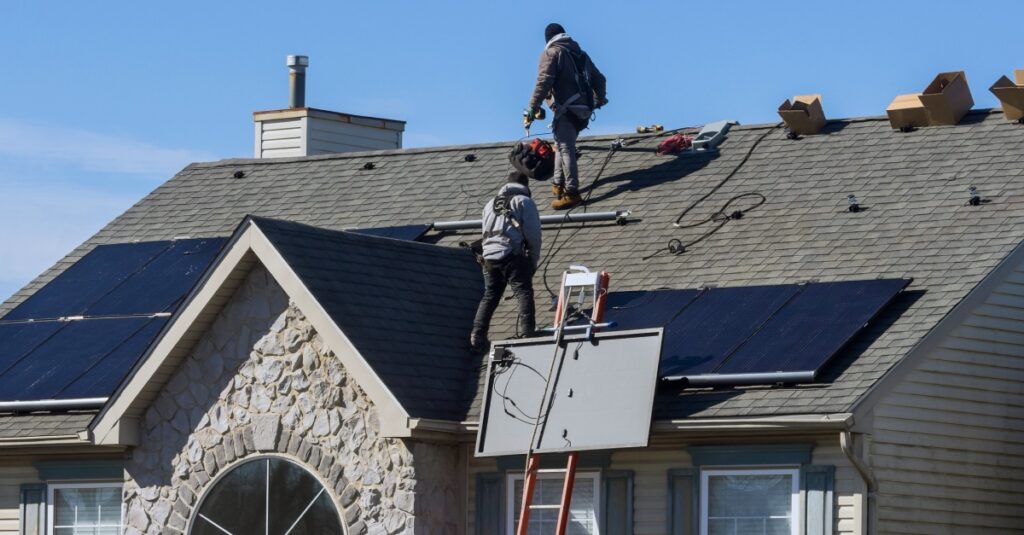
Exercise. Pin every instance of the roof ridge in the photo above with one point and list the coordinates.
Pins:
(229, 162)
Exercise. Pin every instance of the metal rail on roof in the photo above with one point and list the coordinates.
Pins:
(733, 379)
(52, 404)
(618, 216)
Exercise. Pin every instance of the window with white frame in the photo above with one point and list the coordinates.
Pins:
(547, 495)
(750, 502)
(85, 509)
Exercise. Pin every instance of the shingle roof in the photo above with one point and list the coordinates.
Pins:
(916, 224)
(405, 306)
(40, 425)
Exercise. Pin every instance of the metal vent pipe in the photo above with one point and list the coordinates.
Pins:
(297, 81)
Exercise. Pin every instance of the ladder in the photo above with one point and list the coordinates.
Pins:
(578, 281)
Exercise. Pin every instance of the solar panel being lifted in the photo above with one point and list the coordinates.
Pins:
(753, 334)
(79, 335)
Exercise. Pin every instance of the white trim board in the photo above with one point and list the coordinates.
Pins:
(118, 423)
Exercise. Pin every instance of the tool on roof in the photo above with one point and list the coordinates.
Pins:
(650, 129)
(854, 207)
(535, 159)
(580, 282)
(675, 143)
(712, 134)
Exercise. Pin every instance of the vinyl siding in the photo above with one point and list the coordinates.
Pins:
(650, 485)
(948, 440)
(11, 479)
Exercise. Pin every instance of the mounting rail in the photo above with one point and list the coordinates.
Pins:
(619, 216)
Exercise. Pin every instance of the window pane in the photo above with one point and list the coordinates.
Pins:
(238, 502)
(292, 490)
(242, 490)
(83, 508)
(548, 491)
(751, 504)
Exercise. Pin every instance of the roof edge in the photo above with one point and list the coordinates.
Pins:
(863, 407)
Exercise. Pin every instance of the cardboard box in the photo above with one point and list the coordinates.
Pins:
(1011, 95)
(907, 111)
(803, 115)
(947, 98)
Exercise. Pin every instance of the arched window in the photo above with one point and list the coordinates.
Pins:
(267, 496)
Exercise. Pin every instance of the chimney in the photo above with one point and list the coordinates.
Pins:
(302, 131)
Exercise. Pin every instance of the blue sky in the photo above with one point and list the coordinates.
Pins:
(103, 101)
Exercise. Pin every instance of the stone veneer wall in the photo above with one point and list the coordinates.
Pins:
(262, 381)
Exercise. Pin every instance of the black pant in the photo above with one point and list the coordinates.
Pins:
(516, 271)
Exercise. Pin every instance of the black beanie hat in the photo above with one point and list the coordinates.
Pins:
(515, 177)
(552, 30)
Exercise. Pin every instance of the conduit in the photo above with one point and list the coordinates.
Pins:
(618, 216)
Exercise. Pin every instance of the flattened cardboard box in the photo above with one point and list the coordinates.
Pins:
(907, 111)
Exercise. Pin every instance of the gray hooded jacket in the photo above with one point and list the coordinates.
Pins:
(501, 238)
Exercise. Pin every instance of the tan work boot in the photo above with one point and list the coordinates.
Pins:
(567, 200)
(557, 191)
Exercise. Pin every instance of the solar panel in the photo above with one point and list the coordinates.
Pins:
(114, 301)
(718, 322)
(743, 335)
(88, 280)
(603, 394)
(63, 357)
(813, 327)
(161, 284)
(401, 232)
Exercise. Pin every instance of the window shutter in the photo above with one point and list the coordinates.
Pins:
(33, 509)
(817, 482)
(489, 518)
(683, 494)
(617, 502)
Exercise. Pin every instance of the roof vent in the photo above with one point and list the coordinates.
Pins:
(804, 115)
(1011, 95)
(712, 134)
(297, 81)
(944, 102)
(303, 131)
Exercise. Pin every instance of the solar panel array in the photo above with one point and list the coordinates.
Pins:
(401, 232)
(78, 336)
(724, 335)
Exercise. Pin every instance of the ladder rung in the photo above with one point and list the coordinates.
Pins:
(532, 507)
(551, 470)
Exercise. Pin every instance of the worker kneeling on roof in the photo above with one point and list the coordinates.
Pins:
(510, 255)
(574, 88)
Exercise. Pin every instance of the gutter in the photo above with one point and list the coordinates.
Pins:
(739, 425)
(52, 404)
(846, 444)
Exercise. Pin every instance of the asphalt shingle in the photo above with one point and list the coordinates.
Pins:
(916, 224)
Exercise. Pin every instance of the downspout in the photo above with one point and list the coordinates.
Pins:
(846, 444)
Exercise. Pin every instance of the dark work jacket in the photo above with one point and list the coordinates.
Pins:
(556, 81)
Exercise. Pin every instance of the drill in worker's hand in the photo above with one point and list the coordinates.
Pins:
(529, 116)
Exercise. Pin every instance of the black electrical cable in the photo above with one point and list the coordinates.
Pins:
(555, 247)
(676, 246)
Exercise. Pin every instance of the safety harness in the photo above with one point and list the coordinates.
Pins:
(580, 113)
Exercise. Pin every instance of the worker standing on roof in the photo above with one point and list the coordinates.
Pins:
(573, 88)
(510, 255)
